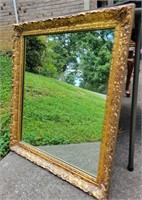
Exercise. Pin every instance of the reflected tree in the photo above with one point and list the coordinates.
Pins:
(82, 57)
(35, 46)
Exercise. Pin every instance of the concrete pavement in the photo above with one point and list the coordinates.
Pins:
(22, 180)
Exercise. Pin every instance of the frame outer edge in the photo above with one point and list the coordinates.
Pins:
(119, 60)
(107, 150)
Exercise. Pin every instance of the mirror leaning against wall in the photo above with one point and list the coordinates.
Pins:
(68, 76)
(65, 89)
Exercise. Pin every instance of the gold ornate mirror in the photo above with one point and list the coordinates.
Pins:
(64, 98)
(68, 75)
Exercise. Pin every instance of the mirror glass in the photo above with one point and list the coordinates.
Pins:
(65, 87)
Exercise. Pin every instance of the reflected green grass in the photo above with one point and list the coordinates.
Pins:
(58, 113)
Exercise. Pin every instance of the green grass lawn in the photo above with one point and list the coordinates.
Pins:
(5, 103)
(58, 113)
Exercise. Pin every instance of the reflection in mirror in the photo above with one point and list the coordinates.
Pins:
(65, 87)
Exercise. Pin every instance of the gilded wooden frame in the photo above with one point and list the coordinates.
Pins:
(119, 18)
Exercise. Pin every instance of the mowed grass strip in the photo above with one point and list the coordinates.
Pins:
(5, 103)
(56, 112)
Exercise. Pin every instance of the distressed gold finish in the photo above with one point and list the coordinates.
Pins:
(119, 18)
